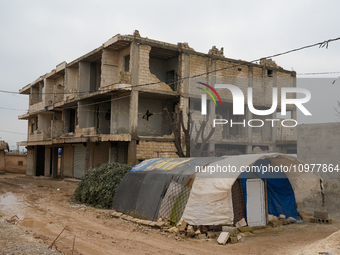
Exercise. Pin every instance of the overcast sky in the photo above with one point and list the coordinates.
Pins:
(38, 35)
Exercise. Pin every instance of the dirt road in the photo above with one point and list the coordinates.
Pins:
(44, 209)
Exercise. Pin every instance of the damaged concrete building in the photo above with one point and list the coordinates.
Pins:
(107, 106)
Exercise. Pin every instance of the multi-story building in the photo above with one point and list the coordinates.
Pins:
(107, 106)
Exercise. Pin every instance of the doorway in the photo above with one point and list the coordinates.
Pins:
(40, 160)
(256, 212)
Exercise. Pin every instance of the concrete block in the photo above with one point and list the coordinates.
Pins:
(116, 214)
(129, 218)
(241, 223)
(146, 222)
(139, 221)
(202, 236)
(223, 238)
(160, 224)
(327, 221)
(124, 217)
(211, 234)
(312, 220)
(275, 223)
(183, 226)
(231, 230)
(152, 224)
(233, 240)
(321, 215)
(190, 233)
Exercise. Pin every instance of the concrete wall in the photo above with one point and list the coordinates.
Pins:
(31, 160)
(119, 116)
(2, 161)
(15, 163)
(72, 79)
(155, 125)
(152, 149)
(320, 144)
(86, 114)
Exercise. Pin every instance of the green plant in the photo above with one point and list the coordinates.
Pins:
(100, 184)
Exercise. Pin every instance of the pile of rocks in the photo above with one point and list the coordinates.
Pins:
(275, 222)
(223, 234)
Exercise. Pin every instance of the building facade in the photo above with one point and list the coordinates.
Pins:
(108, 105)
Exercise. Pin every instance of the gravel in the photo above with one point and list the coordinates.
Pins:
(14, 241)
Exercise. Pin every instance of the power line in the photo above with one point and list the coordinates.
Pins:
(323, 44)
(316, 73)
(12, 132)
(13, 109)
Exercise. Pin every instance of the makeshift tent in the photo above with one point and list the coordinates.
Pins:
(213, 190)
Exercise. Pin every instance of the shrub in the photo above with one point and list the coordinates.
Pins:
(100, 184)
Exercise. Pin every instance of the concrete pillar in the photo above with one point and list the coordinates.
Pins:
(273, 116)
(249, 115)
(212, 108)
(47, 161)
(133, 105)
(184, 89)
(294, 117)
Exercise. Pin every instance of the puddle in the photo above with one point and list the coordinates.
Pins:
(12, 205)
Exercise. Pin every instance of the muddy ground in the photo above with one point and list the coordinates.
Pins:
(44, 209)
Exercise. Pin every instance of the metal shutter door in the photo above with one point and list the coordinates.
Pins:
(79, 161)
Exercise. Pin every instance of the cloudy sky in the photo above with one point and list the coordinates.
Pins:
(38, 35)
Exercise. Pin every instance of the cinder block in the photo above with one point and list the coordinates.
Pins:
(223, 238)
(231, 230)
(321, 215)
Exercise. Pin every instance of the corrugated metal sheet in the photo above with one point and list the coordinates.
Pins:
(79, 161)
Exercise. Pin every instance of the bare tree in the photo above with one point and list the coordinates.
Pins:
(192, 147)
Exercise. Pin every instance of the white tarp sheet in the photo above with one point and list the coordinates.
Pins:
(210, 200)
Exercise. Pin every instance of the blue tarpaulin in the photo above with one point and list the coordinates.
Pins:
(280, 194)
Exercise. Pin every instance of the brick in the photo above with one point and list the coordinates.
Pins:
(183, 226)
(153, 224)
(146, 222)
(223, 238)
(230, 230)
(160, 224)
(241, 223)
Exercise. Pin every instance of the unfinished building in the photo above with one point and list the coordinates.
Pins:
(107, 106)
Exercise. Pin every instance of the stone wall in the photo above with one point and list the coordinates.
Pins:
(152, 149)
